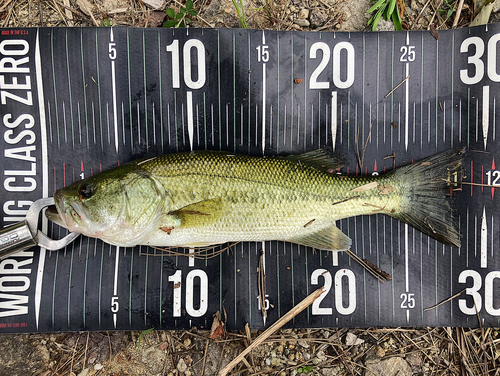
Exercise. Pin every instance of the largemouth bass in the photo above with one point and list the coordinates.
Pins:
(204, 198)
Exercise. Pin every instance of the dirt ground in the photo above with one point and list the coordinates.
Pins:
(327, 351)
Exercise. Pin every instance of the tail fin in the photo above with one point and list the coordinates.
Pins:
(427, 205)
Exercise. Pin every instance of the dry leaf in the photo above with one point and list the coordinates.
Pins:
(433, 31)
(217, 327)
(85, 6)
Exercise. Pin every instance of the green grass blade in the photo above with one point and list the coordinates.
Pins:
(396, 19)
(376, 6)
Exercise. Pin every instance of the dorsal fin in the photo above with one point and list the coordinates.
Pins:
(325, 160)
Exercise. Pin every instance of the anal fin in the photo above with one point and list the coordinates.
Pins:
(329, 238)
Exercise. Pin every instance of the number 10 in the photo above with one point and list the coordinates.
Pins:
(187, 63)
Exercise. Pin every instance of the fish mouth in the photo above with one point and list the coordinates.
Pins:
(66, 213)
(53, 215)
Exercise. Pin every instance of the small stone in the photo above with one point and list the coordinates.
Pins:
(155, 4)
(98, 366)
(282, 373)
(326, 334)
(352, 339)
(275, 362)
(379, 351)
(84, 372)
(321, 355)
(302, 23)
(303, 13)
(317, 18)
(329, 371)
(390, 367)
(187, 342)
(304, 344)
(268, 361)
(371, 357)
(181, 366)
(306, 356)
(346, 14)
(187, 373)
(291, 357)
(293, 9)
(415, 362)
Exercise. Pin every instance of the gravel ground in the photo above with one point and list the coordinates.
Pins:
(373, 351)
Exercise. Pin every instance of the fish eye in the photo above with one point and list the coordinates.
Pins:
(87, 190)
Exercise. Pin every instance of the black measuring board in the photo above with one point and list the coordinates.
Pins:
(74, 102)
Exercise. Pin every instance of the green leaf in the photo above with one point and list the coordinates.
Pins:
(450, 12)
(376, 18)
(192, 12)
(178, 16)
(182, 10)
(169, 23)
(189, 4)
(171, 13)
(376, 6)
(143, 334)
(187, 20)
(396, 19)
(390, 9)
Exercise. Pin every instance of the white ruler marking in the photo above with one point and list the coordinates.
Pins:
(190, 121)
(263, 103)
(45, 174)
(191, 257)
(334, 118)
(407, 103)
(484, 240)
(115, 111)
(407, 281)
(115, 286)
(486, 113)
(335, 258)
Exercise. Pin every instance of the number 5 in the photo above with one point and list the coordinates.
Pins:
(114, 304)
(112, 50)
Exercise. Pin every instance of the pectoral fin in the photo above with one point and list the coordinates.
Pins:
(200, 214)
(329, 238)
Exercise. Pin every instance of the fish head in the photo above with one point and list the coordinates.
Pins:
(117, 206)
(90, 207)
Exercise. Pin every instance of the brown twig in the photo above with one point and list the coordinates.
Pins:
(401, 83)
(383, 277)
(345, 200)
(204, 357)
(199, 253)
(444, 301)
(273, 328)
(361, 159)
(422, 11)
(262, 286)
(457, 15)
(86, 347)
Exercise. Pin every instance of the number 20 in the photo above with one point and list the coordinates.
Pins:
(337, 80)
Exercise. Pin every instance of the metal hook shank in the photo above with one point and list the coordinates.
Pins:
(25, 234)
